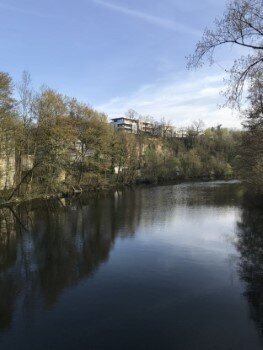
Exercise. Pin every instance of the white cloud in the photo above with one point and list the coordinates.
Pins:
(158, 21)
(178, 100)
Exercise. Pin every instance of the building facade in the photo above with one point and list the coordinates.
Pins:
(126, 124)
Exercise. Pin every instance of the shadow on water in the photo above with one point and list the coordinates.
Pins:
(250, 247)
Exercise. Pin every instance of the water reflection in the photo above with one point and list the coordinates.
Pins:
(45, 247)
(51, 247)
(250, 246)
(48, 246)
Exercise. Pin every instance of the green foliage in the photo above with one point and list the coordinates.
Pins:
(211, 155)
(60, 145)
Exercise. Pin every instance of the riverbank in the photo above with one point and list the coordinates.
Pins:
(89, 190)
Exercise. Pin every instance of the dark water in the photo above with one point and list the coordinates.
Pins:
(169, 267)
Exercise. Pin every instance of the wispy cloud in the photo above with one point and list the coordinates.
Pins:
(179, 101)
(155, 20)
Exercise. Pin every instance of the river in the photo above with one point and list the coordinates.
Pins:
(162, 267)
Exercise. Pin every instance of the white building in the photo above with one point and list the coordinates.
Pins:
(136, 126)
(127, 124)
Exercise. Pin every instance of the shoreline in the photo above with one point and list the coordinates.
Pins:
(108, 189)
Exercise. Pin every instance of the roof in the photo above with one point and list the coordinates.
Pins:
(125, 118)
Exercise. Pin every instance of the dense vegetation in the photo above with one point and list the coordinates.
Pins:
(209, 154)
(55, 144)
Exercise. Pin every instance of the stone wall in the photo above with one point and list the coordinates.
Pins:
(7, 171)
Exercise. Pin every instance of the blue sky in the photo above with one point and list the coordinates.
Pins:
(118, 54)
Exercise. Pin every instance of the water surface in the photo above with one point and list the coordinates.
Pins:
(167, 267)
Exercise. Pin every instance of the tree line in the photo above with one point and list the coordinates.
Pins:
(51, 143)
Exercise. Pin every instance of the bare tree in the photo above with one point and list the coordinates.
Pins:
(241, 25)
(132, 114)
(198, 126)
(25, 102)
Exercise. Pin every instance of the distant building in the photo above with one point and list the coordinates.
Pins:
(146, 127)
(127, 124)
(133, 126)
(136, 126)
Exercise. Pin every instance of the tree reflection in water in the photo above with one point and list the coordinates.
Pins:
(250, 246)
(48, 246)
